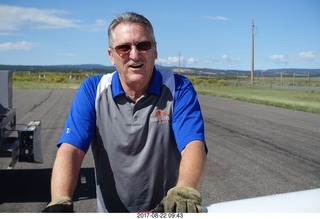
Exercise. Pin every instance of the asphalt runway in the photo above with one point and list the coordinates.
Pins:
(254, 150)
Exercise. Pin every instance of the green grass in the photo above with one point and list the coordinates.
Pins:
(307, 101)
(44, 85)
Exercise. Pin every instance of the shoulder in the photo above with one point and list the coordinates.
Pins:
(92, 87)
(92, 80)
(98, 82)
(175, 82)
(170, 75)
(182, 81)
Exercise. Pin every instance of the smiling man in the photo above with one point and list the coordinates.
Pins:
(132, 49)
(145, 129)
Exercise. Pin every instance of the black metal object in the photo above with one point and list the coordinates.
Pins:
(30, 143)
(23, 145)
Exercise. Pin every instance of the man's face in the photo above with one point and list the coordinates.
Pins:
(134, 67)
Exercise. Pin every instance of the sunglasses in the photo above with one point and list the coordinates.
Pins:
(126, 48)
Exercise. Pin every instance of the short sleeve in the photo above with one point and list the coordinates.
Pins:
(187, 122)
(80, 125)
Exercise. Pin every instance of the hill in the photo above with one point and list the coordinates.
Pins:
(96, 68)
(60, 68)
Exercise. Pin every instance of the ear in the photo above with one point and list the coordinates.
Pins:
(111, 56)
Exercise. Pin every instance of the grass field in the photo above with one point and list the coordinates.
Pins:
(302, 100)
(45, 85)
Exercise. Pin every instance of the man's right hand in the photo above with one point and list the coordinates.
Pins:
(61, 204)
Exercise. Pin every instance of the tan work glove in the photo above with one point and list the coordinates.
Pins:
(182, 199)
(60, 204)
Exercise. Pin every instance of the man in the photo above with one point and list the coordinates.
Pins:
(145, 128)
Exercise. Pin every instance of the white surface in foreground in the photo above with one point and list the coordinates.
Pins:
(307, 201)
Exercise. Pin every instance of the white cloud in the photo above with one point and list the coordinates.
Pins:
(100, 25)
(174, 61)
(192, 60)
(279, 59)
(13, 18)
(225, 58)
(310, 55)
(215, 18)
(70, 55)
(22, 45)
(171, 60)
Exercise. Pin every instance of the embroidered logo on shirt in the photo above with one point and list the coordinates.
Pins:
(160, 116)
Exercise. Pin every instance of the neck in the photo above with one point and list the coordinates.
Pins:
(134, 93)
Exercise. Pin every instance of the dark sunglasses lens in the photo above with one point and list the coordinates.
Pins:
(122, 49)
(144, 46)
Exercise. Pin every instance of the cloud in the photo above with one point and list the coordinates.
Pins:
(215, 18)
(100, 25)
(225, 58)
(70, 55)
(13, 18)
(22, 45)
(192, 60)
(310, 55)
(278, 59)
(174, 60)
(171, 60)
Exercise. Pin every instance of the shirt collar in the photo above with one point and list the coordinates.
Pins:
(154, 86)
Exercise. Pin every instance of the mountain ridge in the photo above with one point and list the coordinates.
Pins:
(98, 68)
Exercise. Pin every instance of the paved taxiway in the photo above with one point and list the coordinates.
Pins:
(254, 150)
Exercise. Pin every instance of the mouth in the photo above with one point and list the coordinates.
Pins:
(136, 66)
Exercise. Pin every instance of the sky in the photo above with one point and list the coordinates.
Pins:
(201, 34)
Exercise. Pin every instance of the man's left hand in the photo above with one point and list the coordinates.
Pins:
(182, 199)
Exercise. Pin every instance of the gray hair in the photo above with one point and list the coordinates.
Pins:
(129, 17)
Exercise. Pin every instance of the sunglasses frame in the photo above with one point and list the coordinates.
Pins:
(126, 48)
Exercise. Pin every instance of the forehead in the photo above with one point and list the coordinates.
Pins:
(130, 32)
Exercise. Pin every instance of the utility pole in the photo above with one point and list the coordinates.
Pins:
(252, 54)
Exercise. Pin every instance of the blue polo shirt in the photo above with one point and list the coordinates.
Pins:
(136, 145)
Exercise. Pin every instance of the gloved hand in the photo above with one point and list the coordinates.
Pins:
(182, 199)
(61, 204)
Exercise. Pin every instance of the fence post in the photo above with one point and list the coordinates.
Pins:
(294, 78)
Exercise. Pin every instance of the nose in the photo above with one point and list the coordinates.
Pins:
(134, 53)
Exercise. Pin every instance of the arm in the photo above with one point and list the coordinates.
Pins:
(192, 165)
(65, 170)
(184, 197)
